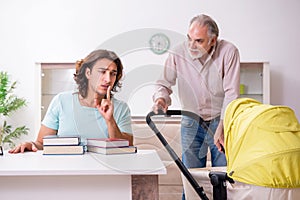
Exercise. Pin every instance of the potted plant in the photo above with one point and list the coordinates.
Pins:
(9, 103)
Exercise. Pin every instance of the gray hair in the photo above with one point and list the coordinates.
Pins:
(205, 20)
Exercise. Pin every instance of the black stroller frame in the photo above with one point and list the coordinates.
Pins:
(217, 179)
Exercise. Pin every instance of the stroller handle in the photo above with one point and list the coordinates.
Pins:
(173, 112)
(181, 166)
(183, 113)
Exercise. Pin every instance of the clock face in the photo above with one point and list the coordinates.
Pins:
(159, 43)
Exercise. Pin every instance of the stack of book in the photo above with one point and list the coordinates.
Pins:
(62, 145)
(110, 146)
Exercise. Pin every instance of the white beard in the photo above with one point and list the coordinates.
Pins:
(195, 53)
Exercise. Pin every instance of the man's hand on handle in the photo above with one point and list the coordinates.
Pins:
(160, 104)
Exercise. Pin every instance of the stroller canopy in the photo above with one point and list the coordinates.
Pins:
(262, 144)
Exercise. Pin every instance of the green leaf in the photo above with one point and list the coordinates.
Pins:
(9, 103)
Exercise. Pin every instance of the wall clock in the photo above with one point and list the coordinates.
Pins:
(159, 43)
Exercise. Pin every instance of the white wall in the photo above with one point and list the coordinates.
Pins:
(66, 30)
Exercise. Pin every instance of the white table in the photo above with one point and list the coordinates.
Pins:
(32, 175)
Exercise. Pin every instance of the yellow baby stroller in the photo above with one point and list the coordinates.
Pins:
(262, 146)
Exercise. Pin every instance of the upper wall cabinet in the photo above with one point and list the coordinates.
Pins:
(255, 81)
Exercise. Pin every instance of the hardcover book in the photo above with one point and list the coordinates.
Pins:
(112, 150)
(61, 140)
(107, 142)
(63, 150)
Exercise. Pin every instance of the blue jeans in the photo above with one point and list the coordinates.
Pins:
(195, 142)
